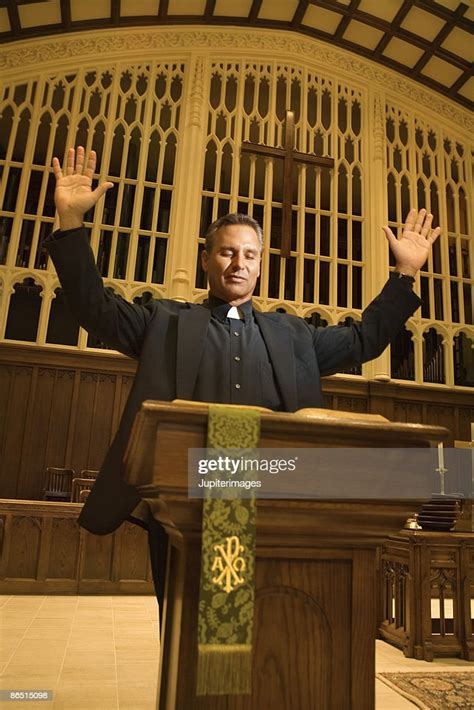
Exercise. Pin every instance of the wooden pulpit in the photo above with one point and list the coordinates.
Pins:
(315, 583)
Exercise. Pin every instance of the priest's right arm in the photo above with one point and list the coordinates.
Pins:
(115, 321)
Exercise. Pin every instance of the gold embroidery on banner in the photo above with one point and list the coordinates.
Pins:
(229, 564)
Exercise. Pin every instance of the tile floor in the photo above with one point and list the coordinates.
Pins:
(100, 653)
(91, 651)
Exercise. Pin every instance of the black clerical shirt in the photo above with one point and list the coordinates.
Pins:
(235, 367)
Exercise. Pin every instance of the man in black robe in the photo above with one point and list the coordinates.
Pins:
(222, 350)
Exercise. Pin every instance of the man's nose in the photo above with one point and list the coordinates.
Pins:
(238, 260)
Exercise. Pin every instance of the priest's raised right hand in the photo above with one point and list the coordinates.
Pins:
(73, 195)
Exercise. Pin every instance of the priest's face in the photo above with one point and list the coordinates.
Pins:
(233, 266)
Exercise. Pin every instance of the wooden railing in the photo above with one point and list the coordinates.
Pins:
(44, 551)
(426, 594)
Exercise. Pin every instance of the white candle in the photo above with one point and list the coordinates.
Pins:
(440, 456)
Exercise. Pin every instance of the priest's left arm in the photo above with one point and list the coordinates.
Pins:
(338, 348)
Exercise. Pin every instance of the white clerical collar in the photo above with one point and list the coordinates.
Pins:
(235, 312)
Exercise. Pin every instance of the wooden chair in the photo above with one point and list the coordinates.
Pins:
(79, 486)
(84, 495)
(89, 473)
(58, 484)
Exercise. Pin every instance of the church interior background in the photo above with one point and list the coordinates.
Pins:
(166, 92)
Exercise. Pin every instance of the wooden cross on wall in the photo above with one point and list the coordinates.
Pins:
(289, 156)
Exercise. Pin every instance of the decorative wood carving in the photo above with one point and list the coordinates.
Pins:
(89, 376)
(24, 555)
(65, 374)
(197, 93)
(276, 44)
(98, 555)
(46, 372)
(417, 568)
(379, 128)
(64, 549)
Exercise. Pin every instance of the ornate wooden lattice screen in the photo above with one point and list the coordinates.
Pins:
(130, 115)
(168, 132)
(428, 168)
(248, 102)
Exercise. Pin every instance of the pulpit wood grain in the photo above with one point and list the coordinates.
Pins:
(315, 602)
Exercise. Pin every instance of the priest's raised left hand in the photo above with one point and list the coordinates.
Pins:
(412, 249)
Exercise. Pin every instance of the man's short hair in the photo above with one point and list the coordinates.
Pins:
(229, 220)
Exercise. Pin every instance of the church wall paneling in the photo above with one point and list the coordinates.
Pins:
(49, 411)
(98, 557)
(131, 554)
(92, 429)
(16, 403)
(69, 418)
(24, 554)
(43, 550)
(63, 552)
(60, 416)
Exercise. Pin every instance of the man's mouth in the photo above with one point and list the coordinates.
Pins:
(235, 279)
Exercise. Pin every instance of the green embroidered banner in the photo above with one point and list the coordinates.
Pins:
(226, 598)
